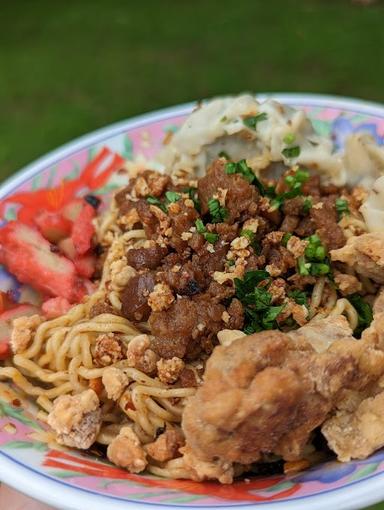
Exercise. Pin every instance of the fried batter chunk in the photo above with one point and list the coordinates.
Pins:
(357, 434)
(263, 394)
(365, 254)
(76, 419)
(321, 333)
(126, 451)
(167, 445)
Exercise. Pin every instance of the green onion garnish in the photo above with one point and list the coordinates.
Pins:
(172, 196)
(341, 207)
(291, 152)
(252, 121)
(289, 138)
(218, 213)
(200, 227)
(155, 201)
(211, 237)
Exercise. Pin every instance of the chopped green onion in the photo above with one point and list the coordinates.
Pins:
(307, 205)
(364, 312)
(271, 315)
(218, 213)
(223, 154)
(200, 227)
(320, 253)
(248, 234)
(251, 122)
(319, 269)
(303, 266)
(172, 196)
(286, 237)
(259, 314)
(341, 207)
(231, 168)
(242, 168)
(290, 180)
(291, 152)
(230, 262)
(294, 181)
(299, 296)
(155, 201)
(301, 175)
(245, 171)
(289, 138)
(314, 239)
(211, 237)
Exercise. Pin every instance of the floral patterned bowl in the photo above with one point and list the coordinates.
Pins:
(73, 480)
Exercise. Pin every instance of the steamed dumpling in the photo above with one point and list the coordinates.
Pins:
(219, 126)
(373, 207)
(363, 159)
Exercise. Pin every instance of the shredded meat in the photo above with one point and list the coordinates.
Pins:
(76, 419)
(236, 315)
(241, 196)
(325, 219)
(187, 378)
(149, 258)
(134, 298)
(186, 322)
(181, 220)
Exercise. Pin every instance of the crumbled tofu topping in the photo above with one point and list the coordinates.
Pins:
(115, 381)
(126, 451)
(252, 225)
(140, 356)
(296, 246)
(121, 272)
(161, 297)
(76, 419)
(169, 370)
(23, 329)
(185, 236)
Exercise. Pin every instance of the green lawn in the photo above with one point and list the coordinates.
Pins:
(68, 67)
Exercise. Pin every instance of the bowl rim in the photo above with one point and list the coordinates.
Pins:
(52, 491)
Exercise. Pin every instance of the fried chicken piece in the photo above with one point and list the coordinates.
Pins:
(357, 434)
(374, 335)
(365, 254)
(262, 394)
(357, 428)
(321, 333)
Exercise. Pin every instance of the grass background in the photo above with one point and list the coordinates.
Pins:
(69, 67)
